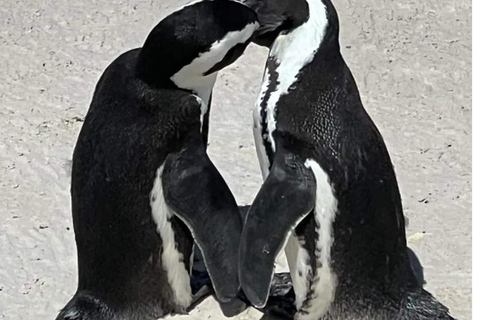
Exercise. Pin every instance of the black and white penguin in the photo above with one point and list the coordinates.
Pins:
(330, 195)
(143, 188)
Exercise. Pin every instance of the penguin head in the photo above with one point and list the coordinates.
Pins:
(188, 47)
(282, 16)
(276, 16)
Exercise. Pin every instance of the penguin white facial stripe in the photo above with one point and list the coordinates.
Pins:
(191, 77)
(172, 259)
(324, 285)
(292, 51)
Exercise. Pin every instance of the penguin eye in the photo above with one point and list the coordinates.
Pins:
(231, 56)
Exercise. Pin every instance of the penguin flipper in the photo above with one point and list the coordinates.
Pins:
(199, 275)
(199, 196)
(286, 197)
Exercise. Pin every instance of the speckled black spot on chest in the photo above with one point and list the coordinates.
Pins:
(272, 87)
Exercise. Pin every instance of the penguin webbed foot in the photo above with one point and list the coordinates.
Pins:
(280, 307)
(281, 300)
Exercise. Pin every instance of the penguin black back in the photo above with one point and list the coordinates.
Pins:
(330, 195)
(143, 188)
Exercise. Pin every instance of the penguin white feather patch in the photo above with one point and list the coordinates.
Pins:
(324, 285)
(191, 77)
(172, 260)
(299, 264)
(292, 51)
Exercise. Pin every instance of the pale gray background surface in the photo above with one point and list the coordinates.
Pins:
(412, 62)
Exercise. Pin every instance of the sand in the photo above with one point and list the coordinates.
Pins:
(412, 62)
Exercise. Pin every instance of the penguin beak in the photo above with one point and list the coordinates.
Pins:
(270, 23)
(270, 20)
(286, 197)
(197, 194)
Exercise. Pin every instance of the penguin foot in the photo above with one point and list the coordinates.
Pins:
(280, 306)
(281, 300)
(281, 284)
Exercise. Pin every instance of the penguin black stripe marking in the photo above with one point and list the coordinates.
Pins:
(271, 85)
(330, 178)
(143, 188)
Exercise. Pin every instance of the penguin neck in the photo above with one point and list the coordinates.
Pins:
(189, 78)
(297, 48)
(299, 45)
(151, 69)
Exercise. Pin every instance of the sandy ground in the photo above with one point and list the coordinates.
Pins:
(412, 62)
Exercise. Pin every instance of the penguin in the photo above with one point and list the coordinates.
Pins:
(330, 196)
(143, 188)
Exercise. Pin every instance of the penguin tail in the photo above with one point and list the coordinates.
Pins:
(83, 306)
